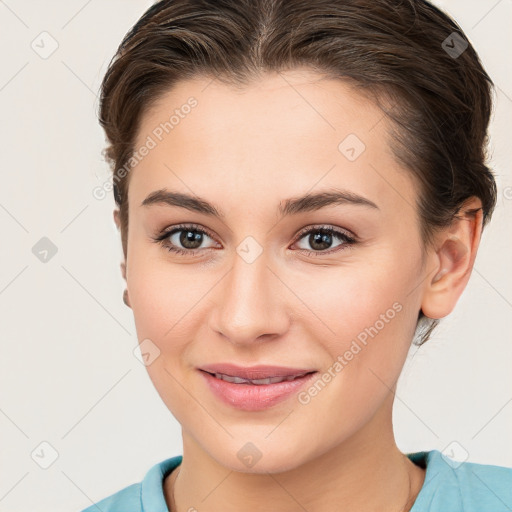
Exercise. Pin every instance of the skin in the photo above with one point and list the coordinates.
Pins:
(245, 151)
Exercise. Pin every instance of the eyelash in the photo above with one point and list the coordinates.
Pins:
(348, 241)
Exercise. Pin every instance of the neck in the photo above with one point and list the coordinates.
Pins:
(365, 473)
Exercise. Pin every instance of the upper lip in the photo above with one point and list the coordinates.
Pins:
(254, 372)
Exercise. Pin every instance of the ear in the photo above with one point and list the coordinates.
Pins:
(117, 219)
(118, 224)
(453, 259)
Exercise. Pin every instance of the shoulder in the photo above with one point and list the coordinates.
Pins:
(454, 486)
(144, 496)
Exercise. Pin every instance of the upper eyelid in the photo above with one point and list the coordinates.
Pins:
(191, 227)
(166, 233)
(319, 227)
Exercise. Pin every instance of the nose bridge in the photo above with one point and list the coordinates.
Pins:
(248, 307)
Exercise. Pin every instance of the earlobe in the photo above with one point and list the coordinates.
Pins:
(453, 262)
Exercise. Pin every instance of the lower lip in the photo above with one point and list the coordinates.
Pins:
(252, 397)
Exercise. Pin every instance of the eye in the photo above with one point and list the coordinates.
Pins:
(183, 239)
(322, 237)
(187, 239)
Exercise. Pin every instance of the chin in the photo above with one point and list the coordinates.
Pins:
(260, 457)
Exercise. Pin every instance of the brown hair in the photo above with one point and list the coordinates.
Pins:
(402, 54)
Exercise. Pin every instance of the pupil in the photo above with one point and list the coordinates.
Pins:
(322, 239)
(191, 239)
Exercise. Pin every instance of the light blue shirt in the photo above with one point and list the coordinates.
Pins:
(449, 486)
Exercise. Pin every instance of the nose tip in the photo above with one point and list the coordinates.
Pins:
(248, 306)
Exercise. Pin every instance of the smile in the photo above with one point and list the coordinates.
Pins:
(257, 382)
(254, 394)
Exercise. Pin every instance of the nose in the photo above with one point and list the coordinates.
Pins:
(251, 305)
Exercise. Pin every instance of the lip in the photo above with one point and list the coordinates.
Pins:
(254, 372)
(253, 397)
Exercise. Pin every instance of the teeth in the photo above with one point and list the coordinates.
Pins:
(228, 378)
(269, 380)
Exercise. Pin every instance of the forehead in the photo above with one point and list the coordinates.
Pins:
(303, 102)
(279, 135)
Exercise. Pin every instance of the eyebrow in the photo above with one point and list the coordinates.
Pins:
(291, 206)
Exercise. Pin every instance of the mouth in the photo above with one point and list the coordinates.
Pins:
(255, 388)
(257, 382)
(256, 374)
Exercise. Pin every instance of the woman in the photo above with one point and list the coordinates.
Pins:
(301, 191)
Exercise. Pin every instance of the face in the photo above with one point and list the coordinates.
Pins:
(260, 279)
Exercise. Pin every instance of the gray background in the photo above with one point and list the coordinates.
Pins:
(68, 374)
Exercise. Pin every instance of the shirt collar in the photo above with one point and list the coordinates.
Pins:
(152, 492)
(153, 498)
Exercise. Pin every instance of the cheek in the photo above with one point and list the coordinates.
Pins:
(163, 302)
(348, 300)
(162, 294)
(364, 318)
